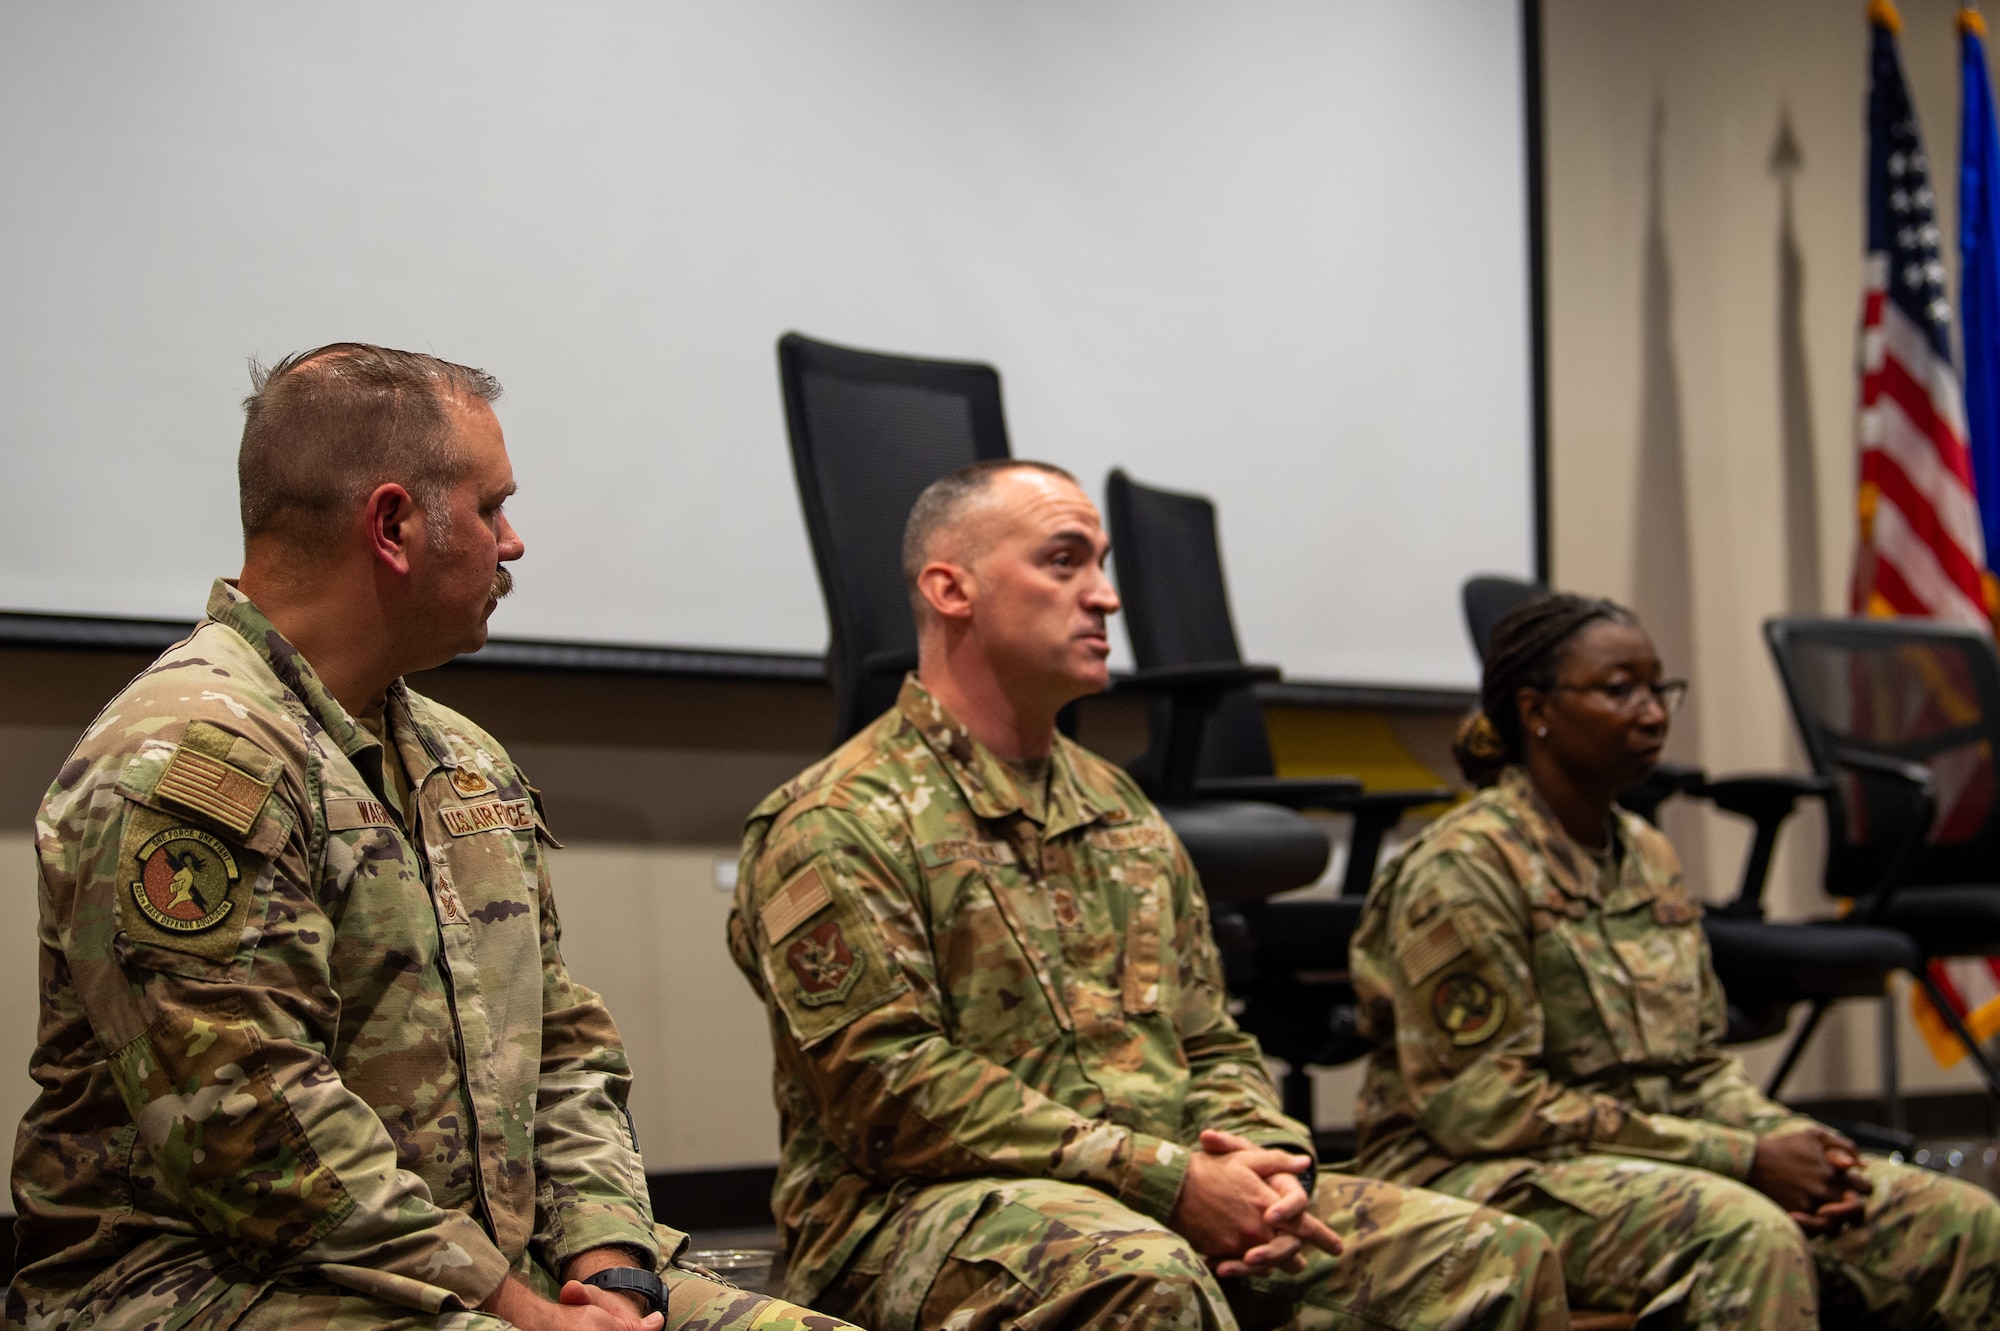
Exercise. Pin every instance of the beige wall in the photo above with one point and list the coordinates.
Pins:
(1705, 229)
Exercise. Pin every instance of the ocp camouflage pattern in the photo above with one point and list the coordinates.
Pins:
(1548, 1030)
(981, 985)
(371, 1070)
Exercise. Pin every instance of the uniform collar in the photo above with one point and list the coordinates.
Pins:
(989, 786)
(229, 607)
(1572, 868)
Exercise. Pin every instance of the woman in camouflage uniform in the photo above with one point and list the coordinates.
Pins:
(1548, 1034)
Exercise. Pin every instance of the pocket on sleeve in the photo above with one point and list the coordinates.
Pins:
(823, 964)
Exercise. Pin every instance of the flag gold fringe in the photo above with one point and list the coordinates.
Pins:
(1883, 12)
(1972, 21)
(1983, 1022)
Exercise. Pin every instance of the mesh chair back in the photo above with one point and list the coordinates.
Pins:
(868, 433)
(1168, 561)
(1922, 692)
(1487, 601)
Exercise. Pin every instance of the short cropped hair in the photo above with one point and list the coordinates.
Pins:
(945, 499)
(323, 428)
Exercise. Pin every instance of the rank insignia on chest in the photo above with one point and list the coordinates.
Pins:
(184, 880)
(1468, 1009)
(825, 966)
(468, 782)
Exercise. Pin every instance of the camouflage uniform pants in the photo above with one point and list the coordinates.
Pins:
(694, 1304)
(1040, 1254)
(1694, 1249)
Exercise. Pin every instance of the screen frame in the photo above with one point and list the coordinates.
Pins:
(108, 633)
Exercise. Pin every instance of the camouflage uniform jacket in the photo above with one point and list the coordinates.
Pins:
(280, 1037)
(1528, 999)
(959, 987)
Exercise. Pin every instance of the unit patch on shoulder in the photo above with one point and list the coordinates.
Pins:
(185, 880)
(793, 904)
(824, 964)
(1468, 1009)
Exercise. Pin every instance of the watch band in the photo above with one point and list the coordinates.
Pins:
(632, 1280)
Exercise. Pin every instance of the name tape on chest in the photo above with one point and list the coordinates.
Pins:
(347, 815)
(1142, 836)
(488, 816)
(794, 903)
(938, 854)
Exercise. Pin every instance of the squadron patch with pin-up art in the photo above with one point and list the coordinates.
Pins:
(184, 880)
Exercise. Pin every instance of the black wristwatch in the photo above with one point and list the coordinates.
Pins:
(632, 1280)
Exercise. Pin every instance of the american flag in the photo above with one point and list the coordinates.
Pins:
(1921, 550)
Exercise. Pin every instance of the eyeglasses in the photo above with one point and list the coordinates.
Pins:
(1626, 694)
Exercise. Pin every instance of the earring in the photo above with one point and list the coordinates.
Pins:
(1541, 732)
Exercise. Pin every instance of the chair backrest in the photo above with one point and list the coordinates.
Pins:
(1487, 600)
(1911, 689)
(1168, 563)
(869, 432)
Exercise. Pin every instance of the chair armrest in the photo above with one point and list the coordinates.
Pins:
(1193, 692)
(1766, 800)
(1918, 789)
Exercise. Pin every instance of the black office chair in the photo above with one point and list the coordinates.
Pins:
(1766, 969)
(1211, 743)
(868, 433)
(1919, 701)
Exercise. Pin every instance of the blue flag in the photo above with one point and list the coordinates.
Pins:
(1979, 270)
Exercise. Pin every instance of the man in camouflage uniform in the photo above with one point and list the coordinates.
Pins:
(1010, 1088)
(1548, 1041)
(308, 1054)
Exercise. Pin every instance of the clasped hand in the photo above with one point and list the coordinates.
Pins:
(1244, 1207)
(1815, 1174)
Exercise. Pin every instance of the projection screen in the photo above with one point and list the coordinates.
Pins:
(1272, 252)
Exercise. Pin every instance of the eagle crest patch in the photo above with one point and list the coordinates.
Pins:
(825, 965)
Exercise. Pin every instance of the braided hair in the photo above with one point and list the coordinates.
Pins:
(1525, 652)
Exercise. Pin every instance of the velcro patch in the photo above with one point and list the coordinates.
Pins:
(1132, 838)
(1425, 950)
(1676, 906)
(940, 853)
(1468, 1009)
(218, 775)
(345, 815)
(794, 903)
(825, 966)
(488, 816)
(181, 888)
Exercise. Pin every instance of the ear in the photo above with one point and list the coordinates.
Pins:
(1532, 705)
(394, 526)
(948, 589)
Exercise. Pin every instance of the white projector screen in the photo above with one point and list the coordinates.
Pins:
(1272, 252)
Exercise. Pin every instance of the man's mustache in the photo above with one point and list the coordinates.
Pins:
(503, 582)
